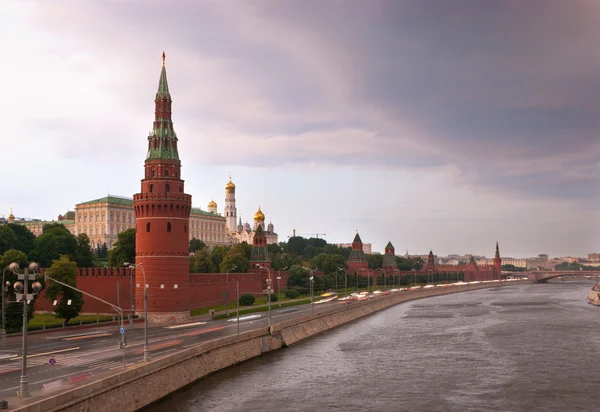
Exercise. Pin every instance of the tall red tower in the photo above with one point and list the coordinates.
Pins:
(357, 259)
(497, 263)
(162, 212)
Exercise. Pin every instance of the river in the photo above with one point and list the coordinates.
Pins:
(527, 347)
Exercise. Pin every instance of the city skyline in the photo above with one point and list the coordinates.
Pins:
(426, 124)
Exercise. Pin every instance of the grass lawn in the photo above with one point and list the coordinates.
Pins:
(49, 320)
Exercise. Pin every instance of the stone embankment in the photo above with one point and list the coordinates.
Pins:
(138, 387)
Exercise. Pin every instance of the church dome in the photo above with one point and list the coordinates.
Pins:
(11, 216)
(270, 227)
(230, 186)
(212, 203)
(259, 216)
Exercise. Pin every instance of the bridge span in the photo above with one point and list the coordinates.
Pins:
(542, 276)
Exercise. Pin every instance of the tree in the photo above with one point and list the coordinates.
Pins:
(298, 276)
(217, 254)
(274, 248)
(196, 245)
(329, 263)
(375, 261)
(65, 271)
(235, 263)
(25, 239)
(242, 248)
(202, 263)
(8, 239)
(56, 240)
(84, 255)
(13, 255)
(282, 260)
(124, 249)
(101, 251)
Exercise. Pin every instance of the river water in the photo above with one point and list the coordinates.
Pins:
(528, 347)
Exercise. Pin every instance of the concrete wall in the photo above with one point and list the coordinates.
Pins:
(141, 386)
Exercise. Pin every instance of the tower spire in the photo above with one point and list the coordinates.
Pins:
(497, 250)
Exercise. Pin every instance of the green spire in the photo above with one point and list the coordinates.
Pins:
(389, 245)
(163, 86)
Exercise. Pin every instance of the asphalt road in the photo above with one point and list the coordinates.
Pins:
(83, 355)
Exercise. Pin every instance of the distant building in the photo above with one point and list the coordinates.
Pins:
(366, 247)
(594, 257)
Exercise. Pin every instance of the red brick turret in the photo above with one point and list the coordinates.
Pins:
(357, 259)
(162, 212)
(497, 264)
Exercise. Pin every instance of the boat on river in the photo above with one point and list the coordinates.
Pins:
(594, 295)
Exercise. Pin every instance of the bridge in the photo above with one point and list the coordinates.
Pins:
(542, 276)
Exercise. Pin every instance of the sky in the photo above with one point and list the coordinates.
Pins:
(433, 124)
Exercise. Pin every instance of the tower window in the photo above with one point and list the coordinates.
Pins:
(148, 227)
(166, 173)
(168, 226)
(167, 188)
(151, 188)
(153, 173)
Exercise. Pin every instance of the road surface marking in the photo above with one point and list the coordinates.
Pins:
(187, 325)
(77, 334)
(88, 336)
(160, 346)
(46, 353)
(243, 318)
(198, 332)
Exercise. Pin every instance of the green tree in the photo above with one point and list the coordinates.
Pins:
(84, 255)
(8, 238)
(298, 276)
(55, 240)
(375, 261)
(235, 263)
(25, 239)
(242, 248)
(196, 245)
(282, 260)
(274, 248)
(13, 255)
(201, 262)
(65, 271)
(124, 249)
(217, 254)
(329, 263)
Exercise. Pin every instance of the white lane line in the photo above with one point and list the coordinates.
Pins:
(77, 334)
(46, 353)
(187, 325)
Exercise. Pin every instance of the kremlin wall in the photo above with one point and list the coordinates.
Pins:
(165, 222)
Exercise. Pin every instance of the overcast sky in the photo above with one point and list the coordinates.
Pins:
(431, 123)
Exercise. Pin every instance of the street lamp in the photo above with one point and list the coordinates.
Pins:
(22, 292)
(311, 281)
(346, 276)
(414, 276)
(227, 293)
(368, 279)
(5, 287)
(146, 350)
(279, 286)
(268, 292)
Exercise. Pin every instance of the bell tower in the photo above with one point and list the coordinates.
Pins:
(162, 212)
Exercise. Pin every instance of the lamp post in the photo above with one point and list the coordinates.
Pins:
(237, 304)
(268, 292)
(26, 296)
(227, 293)
(5, 287)
(311, 281)
(146, 350)
(368, 279)
(131, 300)
(414, 276)
(346, 276)
(279, 286)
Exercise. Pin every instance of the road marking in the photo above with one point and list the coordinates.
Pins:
(187, 325)
(9, 371)
(243, 318)
(46, 353)
(77, 334)
(88, 336)
(198, 332)
(160, 346)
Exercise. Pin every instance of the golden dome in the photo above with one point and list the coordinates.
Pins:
(11, 216)
(230, 185)
(259, 216)
(212, 203)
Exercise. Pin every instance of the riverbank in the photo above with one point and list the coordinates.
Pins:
(147, 383)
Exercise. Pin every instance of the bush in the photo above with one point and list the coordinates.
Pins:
(247, 299)
(302, 290)
(274, 297)
(292, 294)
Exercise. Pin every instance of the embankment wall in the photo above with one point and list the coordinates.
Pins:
(138, 387)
